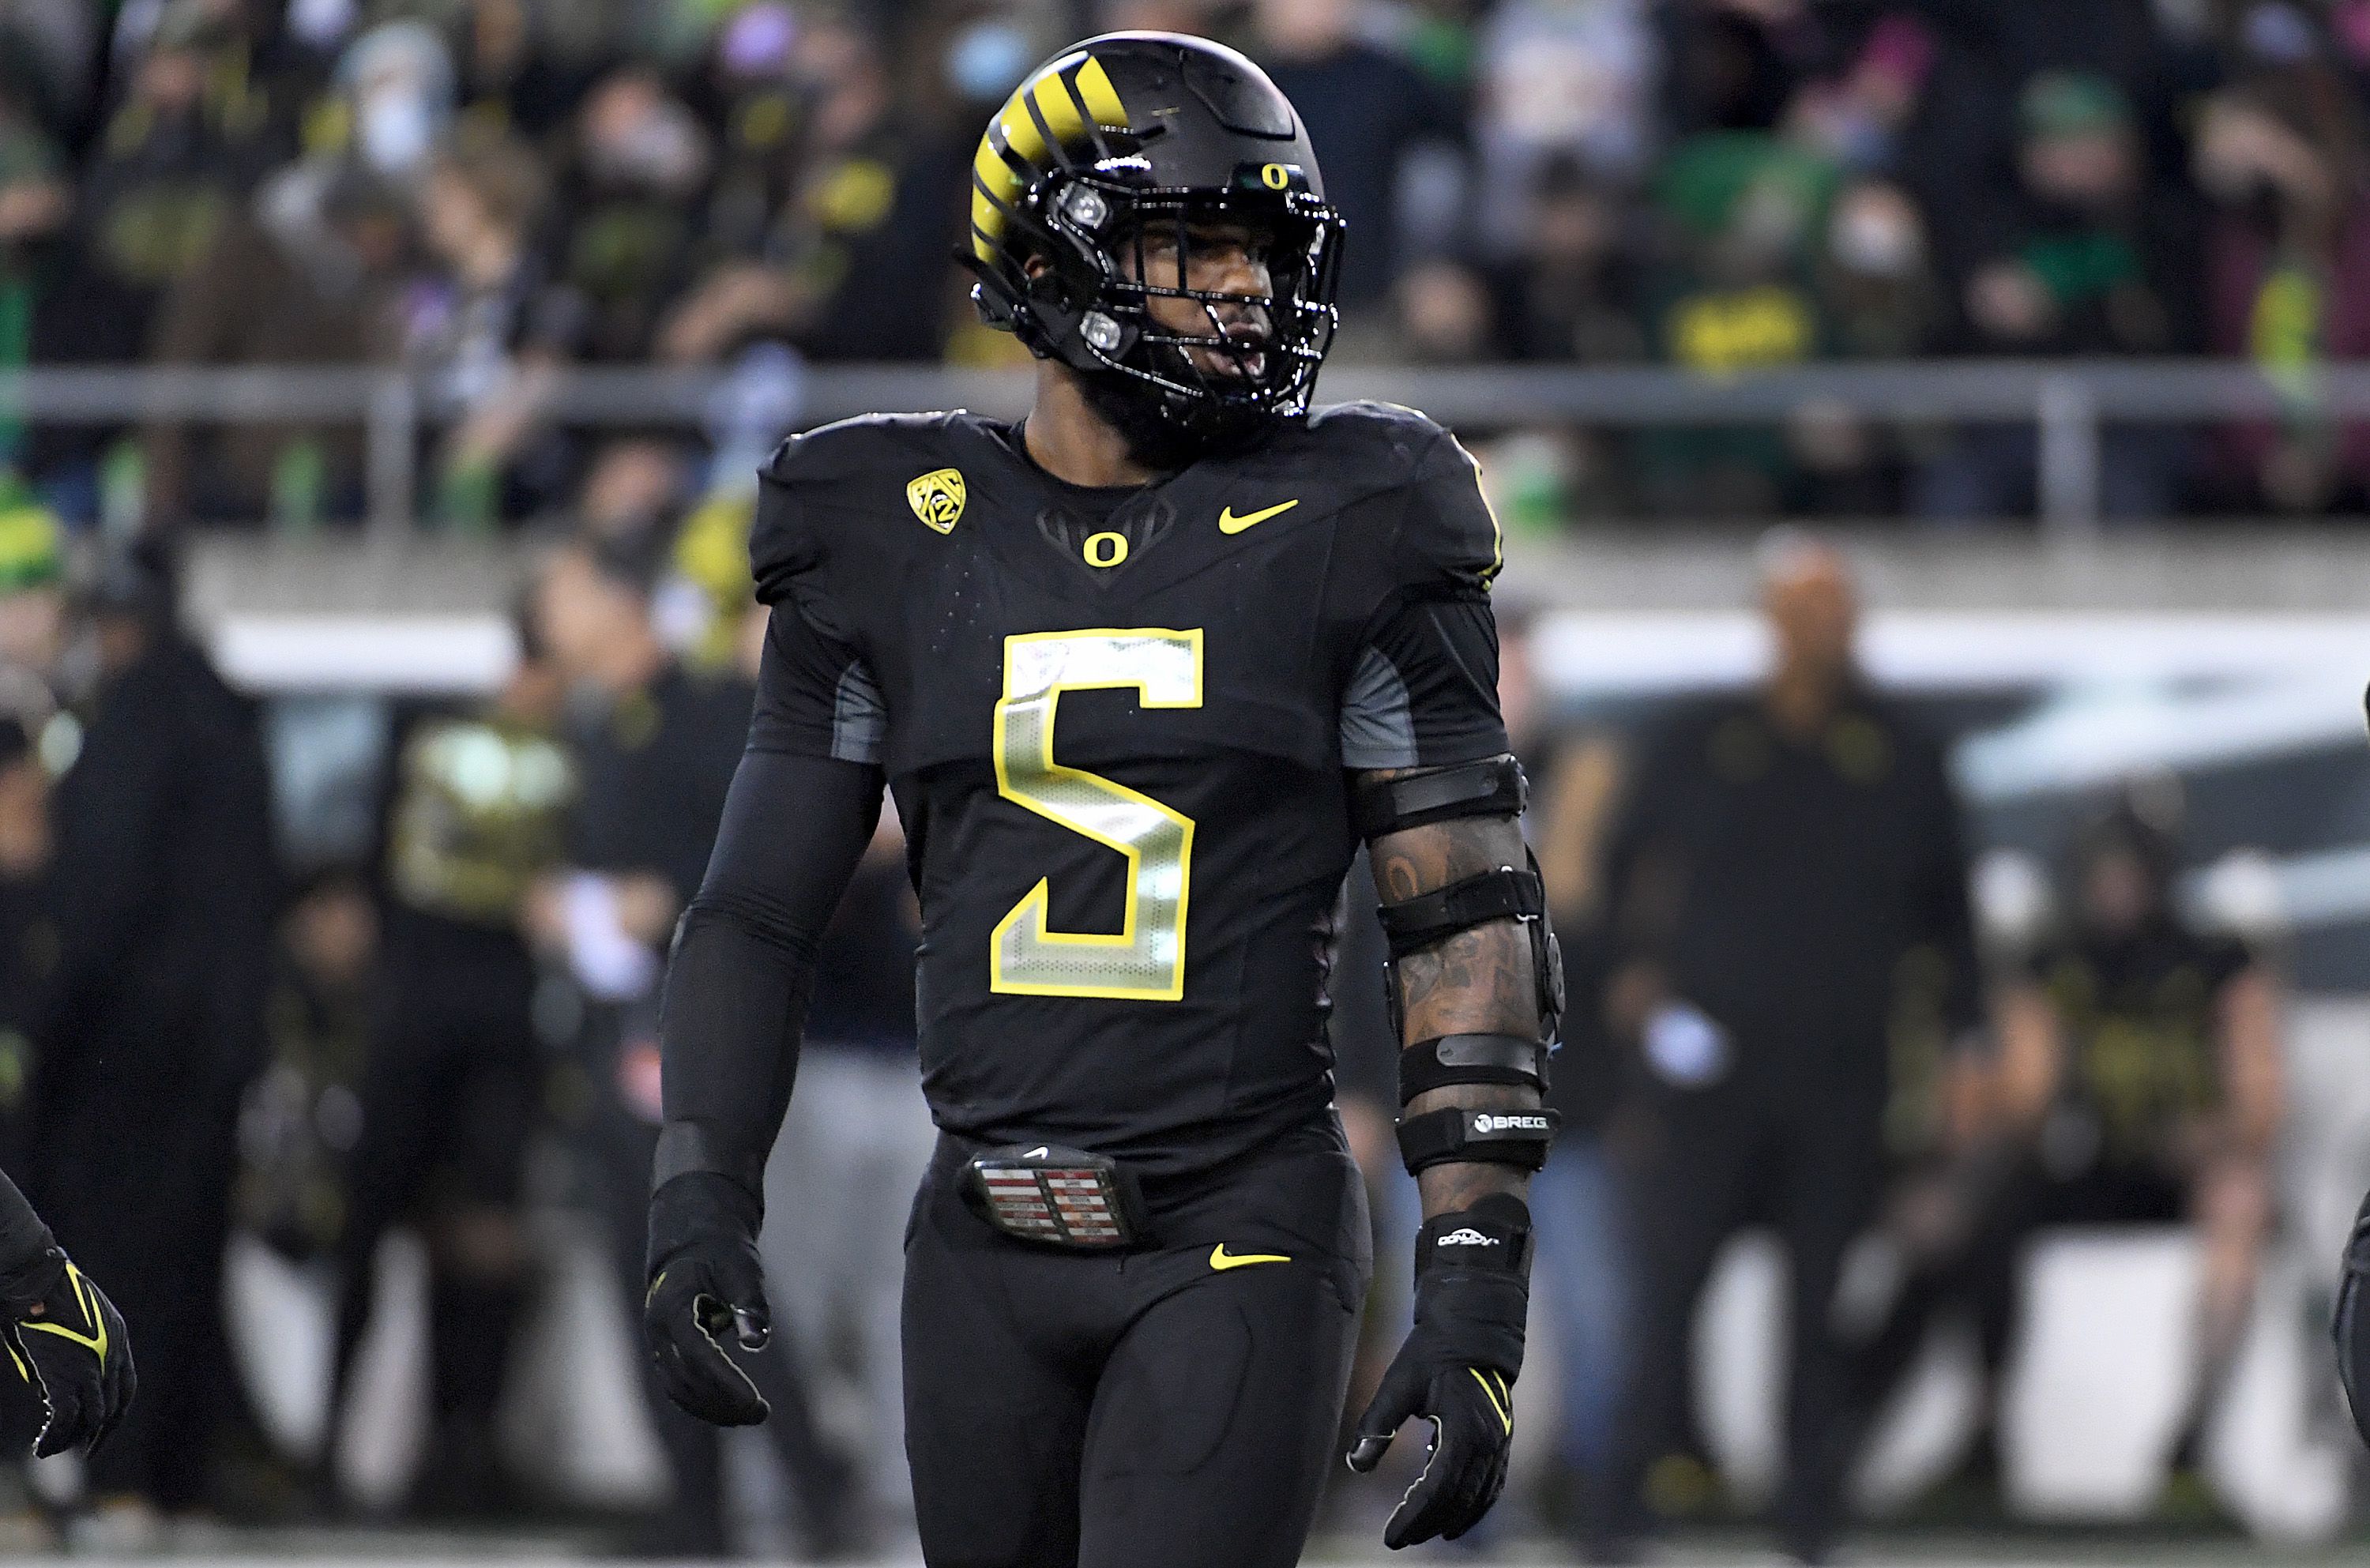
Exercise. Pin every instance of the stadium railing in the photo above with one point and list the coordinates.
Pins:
(2069, 402)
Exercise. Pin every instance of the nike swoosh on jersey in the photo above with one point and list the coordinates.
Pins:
(1230, 524)
(1221, 1259)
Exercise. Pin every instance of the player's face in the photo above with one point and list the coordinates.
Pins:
(1213, 258)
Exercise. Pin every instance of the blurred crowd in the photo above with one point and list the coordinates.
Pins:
(484, 191)
(223, 1029)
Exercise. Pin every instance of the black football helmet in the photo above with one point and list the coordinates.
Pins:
(1105, 145)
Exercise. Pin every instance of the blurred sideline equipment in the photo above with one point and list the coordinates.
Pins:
(1176, 283)
(62, 1334)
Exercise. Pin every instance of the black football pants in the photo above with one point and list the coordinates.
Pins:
(1160, 1408)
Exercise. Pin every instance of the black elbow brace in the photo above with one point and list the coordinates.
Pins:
(1490, 788)
(1428, 920)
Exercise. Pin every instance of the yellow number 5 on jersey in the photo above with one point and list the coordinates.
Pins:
(1145, 960)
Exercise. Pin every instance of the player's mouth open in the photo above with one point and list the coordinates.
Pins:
(1246, 356)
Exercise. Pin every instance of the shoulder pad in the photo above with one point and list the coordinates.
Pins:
(1387, 439)
(1444, 540)
(796, 512)
(847, 447)
(1449, 539)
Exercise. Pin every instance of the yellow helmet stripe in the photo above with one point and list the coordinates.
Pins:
(1058, 107)
(1063, 120)
(1021, 137)
(1094, 89)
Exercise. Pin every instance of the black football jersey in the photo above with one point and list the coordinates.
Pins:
(1116, 725)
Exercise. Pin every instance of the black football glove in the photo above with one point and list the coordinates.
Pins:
(2353, 1324)
(705, 1283)
(67, 1340)
(1456, 1369)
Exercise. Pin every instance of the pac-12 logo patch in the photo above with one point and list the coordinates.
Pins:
(938, 499)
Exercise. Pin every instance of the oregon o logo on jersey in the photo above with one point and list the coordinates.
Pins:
(936, 498)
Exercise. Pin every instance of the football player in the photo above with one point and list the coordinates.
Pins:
(62, 1335)
(1141, 671)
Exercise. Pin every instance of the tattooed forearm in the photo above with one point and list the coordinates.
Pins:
(1478, 981)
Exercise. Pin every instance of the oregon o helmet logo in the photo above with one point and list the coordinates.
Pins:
(1275, 176)
(1105, 550)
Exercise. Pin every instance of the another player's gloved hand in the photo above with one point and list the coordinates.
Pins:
(67, 1338)
(705, 1283)
(2353, 1324)
(1457, 1368)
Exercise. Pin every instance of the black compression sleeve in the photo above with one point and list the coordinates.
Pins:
(28, 1258)
(736, 989)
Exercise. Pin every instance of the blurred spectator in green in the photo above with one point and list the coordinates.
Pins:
(1965, 138)
(748, 94)
(2096, 264)
(178, 157)
(628, 206)
(284, 286)
(1367, 111)
(1742, 211)
(2098, 260)
(488, 330)
(849, 267)
(257, 75)
(2282, 156)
